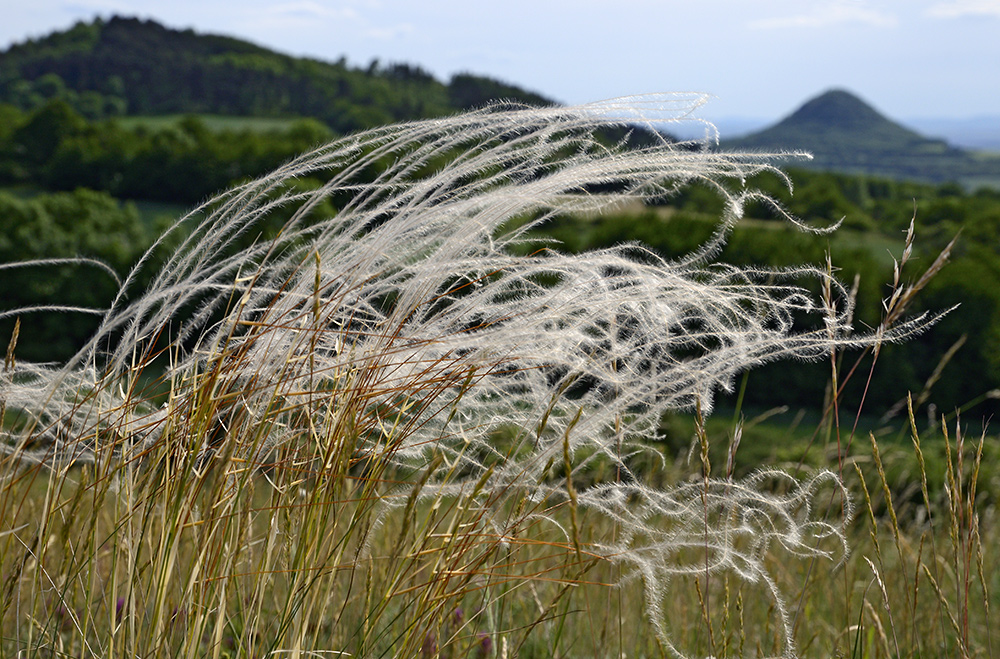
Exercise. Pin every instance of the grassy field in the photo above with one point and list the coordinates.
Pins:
(177, 562)
(156, 213)
(213, 122)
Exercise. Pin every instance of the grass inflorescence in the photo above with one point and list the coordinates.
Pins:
(402, 428)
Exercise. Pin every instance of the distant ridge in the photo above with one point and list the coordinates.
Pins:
(979, 133)
(844, 133)
(129, 66)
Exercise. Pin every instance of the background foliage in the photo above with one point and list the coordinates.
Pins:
(196, 114)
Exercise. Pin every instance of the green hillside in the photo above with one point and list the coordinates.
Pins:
(846, 134)
(127, 66)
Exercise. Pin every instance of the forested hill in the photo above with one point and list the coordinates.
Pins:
(127, 66)
(846, 134)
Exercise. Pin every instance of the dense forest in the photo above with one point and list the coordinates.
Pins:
(92, 162)
(128, 66)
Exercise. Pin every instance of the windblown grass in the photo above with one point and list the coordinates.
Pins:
(390, 432)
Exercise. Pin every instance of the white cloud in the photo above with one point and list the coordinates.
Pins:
(304, 18)
(307, 9)
(91, 7)
(961, 8)
(362, 18)
(838, 13)
(389, 32)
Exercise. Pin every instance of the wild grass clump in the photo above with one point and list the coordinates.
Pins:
(402, 429)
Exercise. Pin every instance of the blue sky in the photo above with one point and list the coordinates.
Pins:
(758, 58)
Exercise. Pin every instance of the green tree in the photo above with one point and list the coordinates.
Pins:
(63, 225)
(38, 139)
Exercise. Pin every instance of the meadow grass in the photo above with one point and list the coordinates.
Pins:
(214, 122)
(286, 563)
(396, 432)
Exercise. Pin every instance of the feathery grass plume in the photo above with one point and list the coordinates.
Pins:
(418, 328)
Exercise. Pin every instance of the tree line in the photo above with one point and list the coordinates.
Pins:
(55, 148)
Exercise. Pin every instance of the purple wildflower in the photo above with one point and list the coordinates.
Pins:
(485, 646)
(429, 647)
(64, 618)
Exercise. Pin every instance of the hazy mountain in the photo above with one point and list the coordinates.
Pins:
(846, 134)
(981, 133)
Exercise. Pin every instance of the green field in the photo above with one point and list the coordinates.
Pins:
(214, 122)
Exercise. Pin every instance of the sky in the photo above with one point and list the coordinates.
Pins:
(757, 58)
